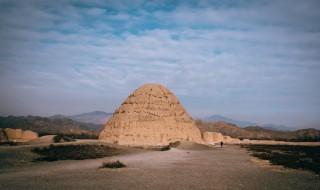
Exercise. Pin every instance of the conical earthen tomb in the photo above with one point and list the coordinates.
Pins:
(150, 116)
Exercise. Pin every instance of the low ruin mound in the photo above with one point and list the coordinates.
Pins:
(16, 135)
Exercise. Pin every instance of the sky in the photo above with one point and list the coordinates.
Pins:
(255, 61)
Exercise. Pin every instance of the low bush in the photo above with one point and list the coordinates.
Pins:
(165, 148)
(114, 164)
(63, 138)
(160, 148)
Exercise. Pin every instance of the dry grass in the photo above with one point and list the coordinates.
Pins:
(74, 152)
(295, 157)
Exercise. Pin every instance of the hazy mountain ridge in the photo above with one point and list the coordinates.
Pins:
(45, 125)
(270, 126)
(255, 132)
(276, 127)
(95, 117)
(217, 118)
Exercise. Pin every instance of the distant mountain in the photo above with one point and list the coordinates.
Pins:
(255, 132)
(45, 125)
(217, 118)
(274, 127)
(96, 117)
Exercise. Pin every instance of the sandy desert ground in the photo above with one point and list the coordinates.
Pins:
(230, 167)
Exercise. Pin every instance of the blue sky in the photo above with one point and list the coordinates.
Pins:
(250, 60)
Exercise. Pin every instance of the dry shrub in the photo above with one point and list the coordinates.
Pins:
(113, 164)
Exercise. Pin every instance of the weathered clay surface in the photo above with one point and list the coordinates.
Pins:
(207, 136)
(16, 135)
(29, 135)
(13, 134)
(214, 137)
(227, 139)
(150, 116)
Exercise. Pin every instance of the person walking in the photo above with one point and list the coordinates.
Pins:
(221, 143)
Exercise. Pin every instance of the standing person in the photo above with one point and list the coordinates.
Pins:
(221, 143)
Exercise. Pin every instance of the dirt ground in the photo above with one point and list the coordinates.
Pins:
(229, 167)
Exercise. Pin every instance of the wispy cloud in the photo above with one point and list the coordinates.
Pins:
(255, 61)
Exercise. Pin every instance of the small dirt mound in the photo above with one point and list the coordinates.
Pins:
(187, 145)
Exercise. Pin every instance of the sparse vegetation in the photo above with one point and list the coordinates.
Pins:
(74, 135)
(295, 157)
(307, 139)
(113, 164)
(71, 137)
(74, 152)
(63, 138)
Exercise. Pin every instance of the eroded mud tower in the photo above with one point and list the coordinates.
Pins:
(150, 116)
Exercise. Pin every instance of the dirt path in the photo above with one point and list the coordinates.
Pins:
(220, 168)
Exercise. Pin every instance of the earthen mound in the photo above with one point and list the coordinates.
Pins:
(16, 135)
(150, 116)
(214, 137)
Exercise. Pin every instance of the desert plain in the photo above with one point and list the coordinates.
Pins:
(187, 166)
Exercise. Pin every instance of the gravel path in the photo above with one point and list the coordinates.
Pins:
(220, 168)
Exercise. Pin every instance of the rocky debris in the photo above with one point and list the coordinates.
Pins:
(16, 135)
(150, 116)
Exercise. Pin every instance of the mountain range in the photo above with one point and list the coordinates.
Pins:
(92, 124)
(218, 118)
(101, 117)
(46, 125)
(96, 117)
(255, 132)
(86, 124)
